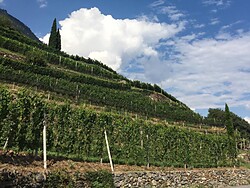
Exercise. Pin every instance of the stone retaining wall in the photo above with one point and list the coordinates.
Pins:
(189, 178)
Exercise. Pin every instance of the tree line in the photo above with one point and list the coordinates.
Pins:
(217, 117)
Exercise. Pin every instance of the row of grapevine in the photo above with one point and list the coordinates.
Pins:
(55, 73)
(21, 120)
(15, 35)
(155, 87)
(122, 100)
(71, 62)
(52, 58)
(79, 132)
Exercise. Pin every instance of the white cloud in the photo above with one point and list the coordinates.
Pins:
(115, 42)
(45, 39)
(247, 119)
(199, 26)
(42, 3)
(157, 3)
(219, 3)
(173, 13)
(248, 105)
(211, 72)
(214, 21)
(1, 1)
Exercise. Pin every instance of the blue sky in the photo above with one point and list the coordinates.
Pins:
(197, 50)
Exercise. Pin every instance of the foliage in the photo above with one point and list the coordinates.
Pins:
(69, 85)
(131, 141)
(52, 58)
(4, 21)
(55, 37)
(18, 38)
(58, 40)
(216, 117)
(59, 179)
(100, 179)
(229, 122)
(231, 135)
(73, 77)
(36, 58)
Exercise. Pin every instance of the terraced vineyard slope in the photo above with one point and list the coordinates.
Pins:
(79, 98)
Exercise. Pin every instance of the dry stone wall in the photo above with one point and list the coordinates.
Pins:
(216, 178)
(188, 178)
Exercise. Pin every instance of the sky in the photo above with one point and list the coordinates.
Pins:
(196, 50)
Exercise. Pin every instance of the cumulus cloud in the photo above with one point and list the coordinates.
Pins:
(115, 42)
(42, 3)
(45, 39)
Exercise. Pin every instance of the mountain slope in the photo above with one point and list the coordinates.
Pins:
(11, 21)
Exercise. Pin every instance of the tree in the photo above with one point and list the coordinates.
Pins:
(55, 37)
(58, 42)
(229, 122)
(231, 136)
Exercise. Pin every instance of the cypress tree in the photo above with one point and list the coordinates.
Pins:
(58, 41)
(231, 136)
(53, 35)
(229, 122)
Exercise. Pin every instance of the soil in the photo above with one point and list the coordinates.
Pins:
(11, 56)
(25, 163)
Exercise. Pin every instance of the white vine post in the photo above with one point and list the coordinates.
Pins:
(147, 152)
(107, 143)
(44, 143)
(5, 144)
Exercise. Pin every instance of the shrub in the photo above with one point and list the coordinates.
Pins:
(100, 179)
(36, 58)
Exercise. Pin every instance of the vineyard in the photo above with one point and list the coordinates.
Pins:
(63, 91)
(79, 132)
(86, 82)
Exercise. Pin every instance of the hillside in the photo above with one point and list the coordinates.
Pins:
(80, 98)
(10, 21)
(84, 80)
